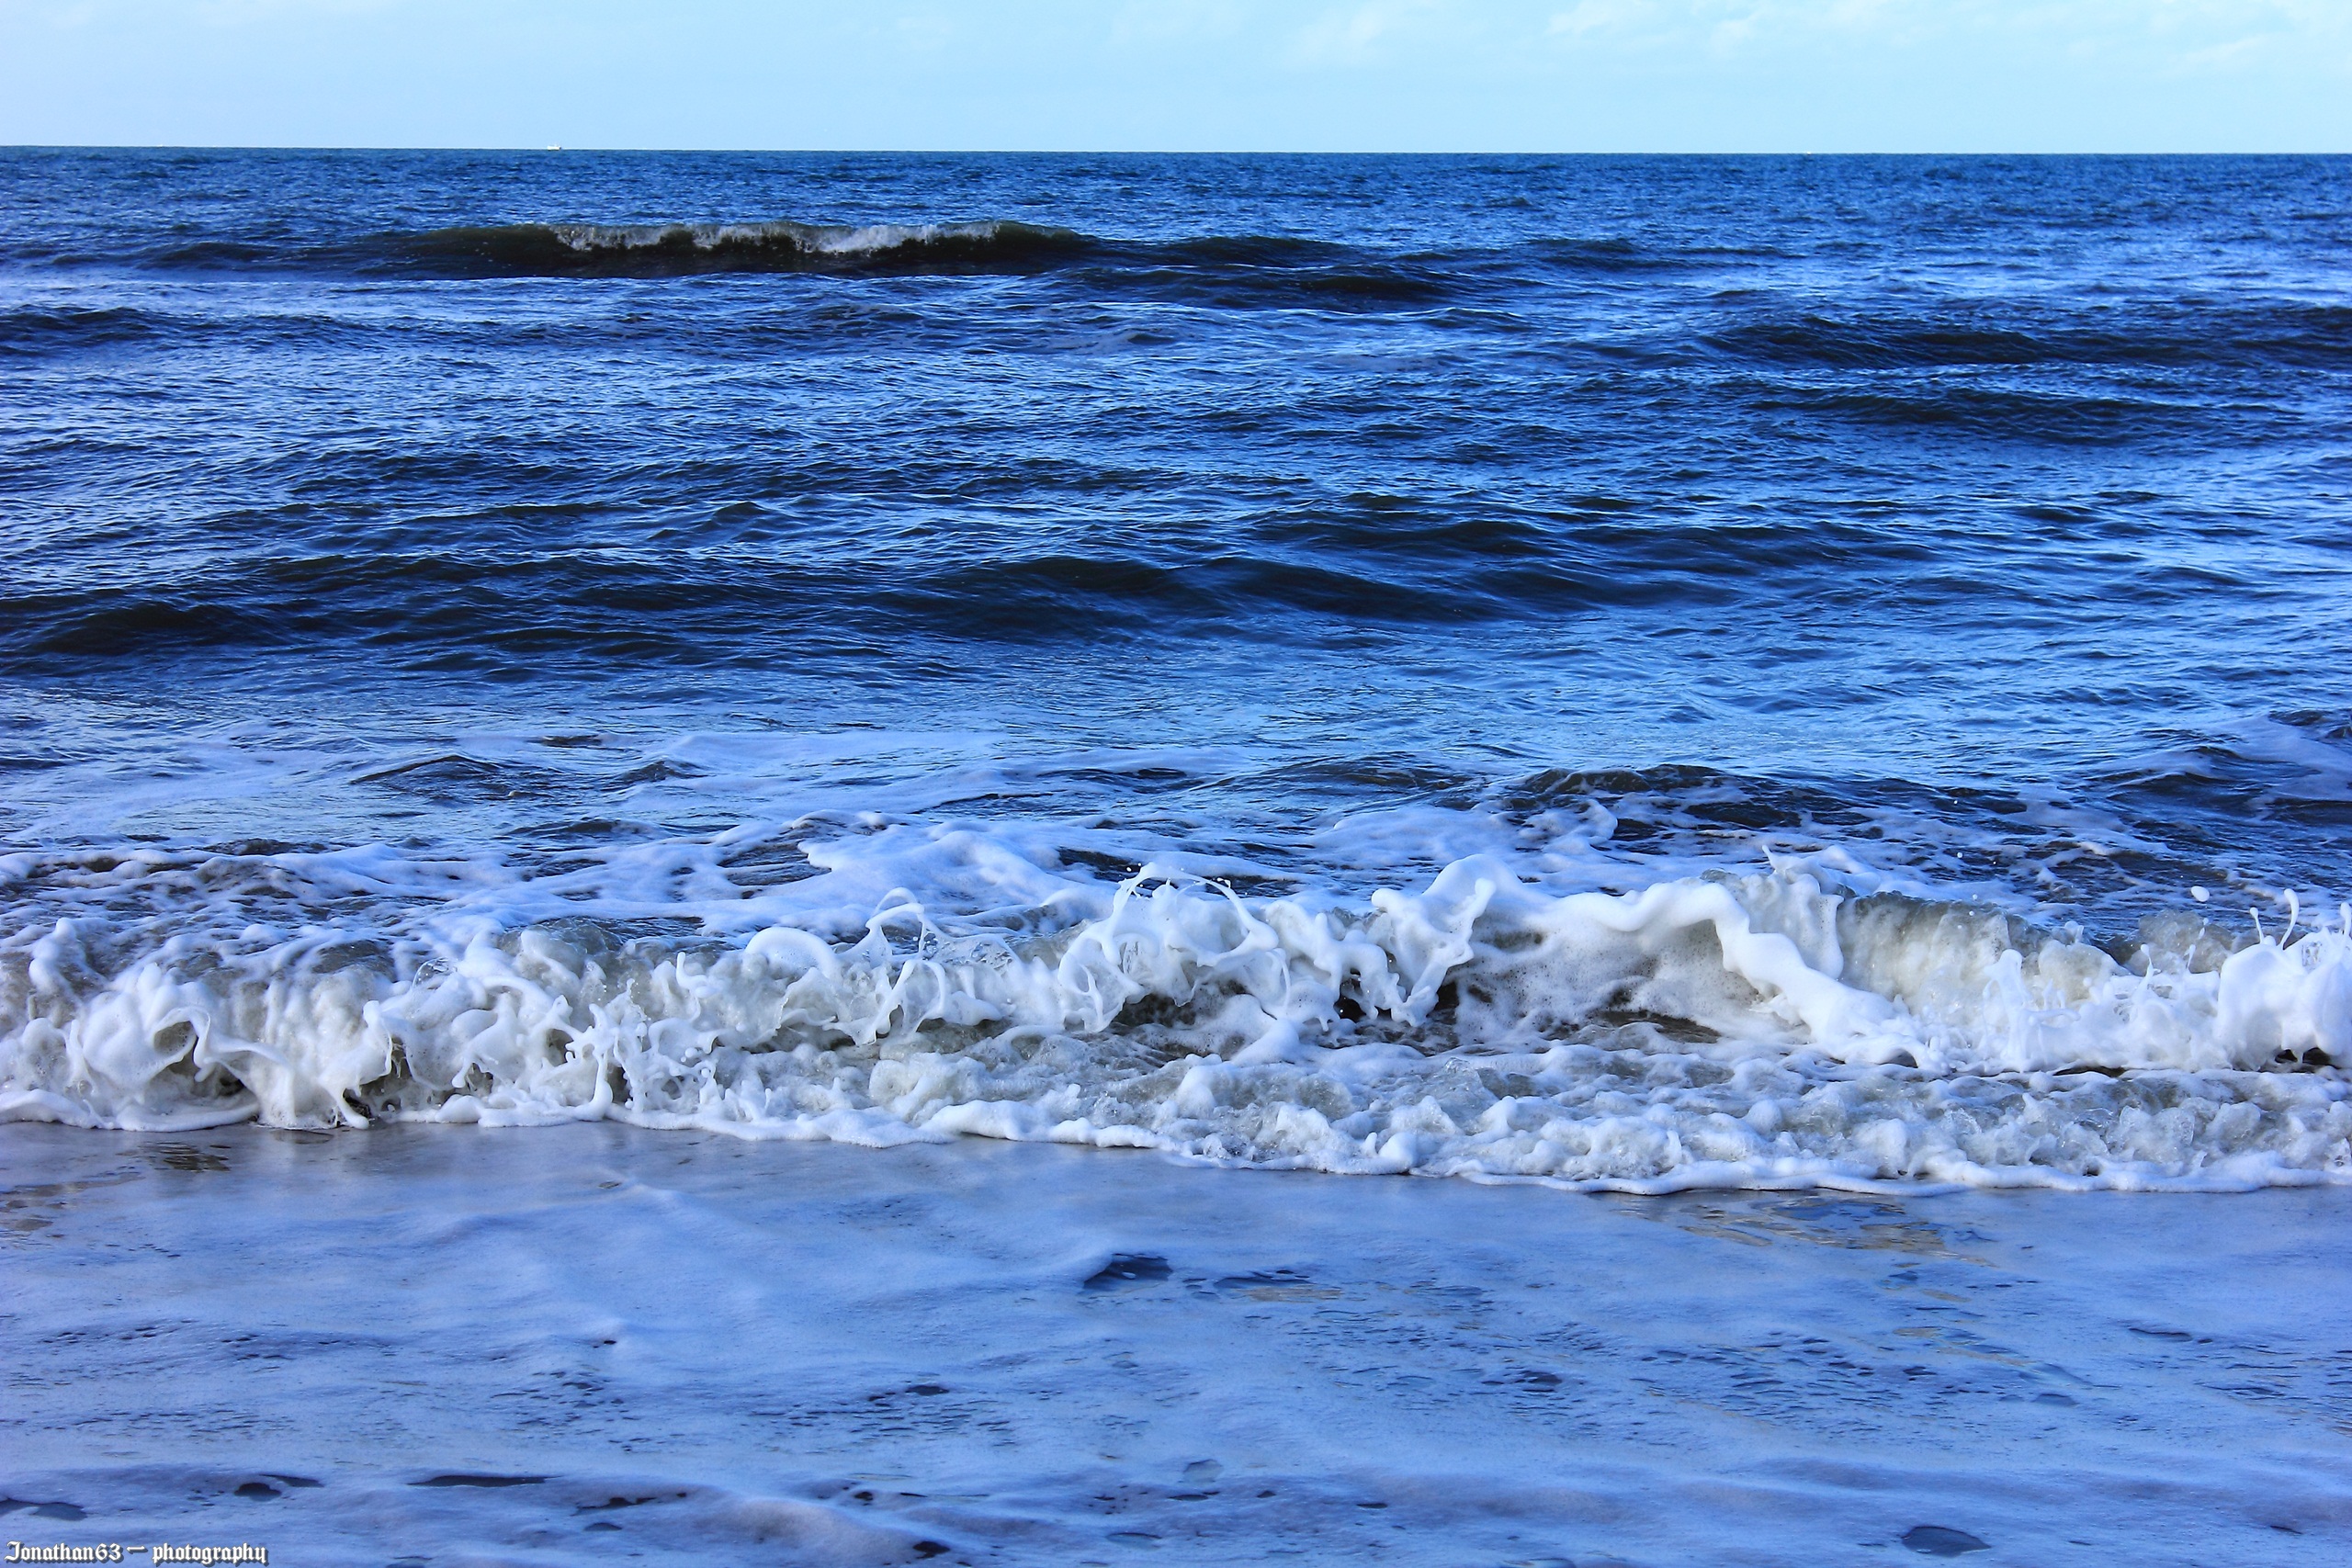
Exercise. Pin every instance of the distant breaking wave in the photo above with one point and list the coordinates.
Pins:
(639, 250)
(663, 250)
(1237, 270)
(1245, 271)
(678, 248)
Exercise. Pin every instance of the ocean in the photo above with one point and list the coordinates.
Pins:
(963, 747)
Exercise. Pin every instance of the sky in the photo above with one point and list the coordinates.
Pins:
(1303, 75)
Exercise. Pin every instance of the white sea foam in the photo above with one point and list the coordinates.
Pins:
(1799, 1024)
(809, 239)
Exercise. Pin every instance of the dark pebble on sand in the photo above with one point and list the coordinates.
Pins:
(1128, 1269)
(1934, 1540)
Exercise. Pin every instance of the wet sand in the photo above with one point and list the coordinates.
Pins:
(455, 1344)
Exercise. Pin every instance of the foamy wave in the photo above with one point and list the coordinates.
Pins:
(665, 249)
(1779, 1028)
(811, 238)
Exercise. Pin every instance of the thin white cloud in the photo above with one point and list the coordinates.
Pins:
(1355, 35)
(2192, 34)
(925, 32)
(1163, 22)
(1603, 17)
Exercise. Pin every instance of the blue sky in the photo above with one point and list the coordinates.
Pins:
(1405, 75)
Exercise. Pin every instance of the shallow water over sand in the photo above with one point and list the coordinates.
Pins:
(596, 1343)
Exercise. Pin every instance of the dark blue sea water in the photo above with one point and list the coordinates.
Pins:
(410, 553)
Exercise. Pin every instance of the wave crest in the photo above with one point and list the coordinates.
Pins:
(671, 249)
(1763, 1030)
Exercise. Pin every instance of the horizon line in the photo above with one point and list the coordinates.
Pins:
(1152, 152)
